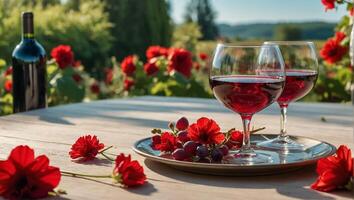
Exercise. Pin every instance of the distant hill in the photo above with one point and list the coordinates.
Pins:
(310, 30)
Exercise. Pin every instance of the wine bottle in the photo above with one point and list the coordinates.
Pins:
(29, 70)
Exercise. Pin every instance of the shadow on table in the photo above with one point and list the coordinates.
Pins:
(145, 190)
(96, 161)
(291, 184)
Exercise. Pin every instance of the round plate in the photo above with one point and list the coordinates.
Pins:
(281, 162)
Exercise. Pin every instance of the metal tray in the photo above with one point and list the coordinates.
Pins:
(281, 162)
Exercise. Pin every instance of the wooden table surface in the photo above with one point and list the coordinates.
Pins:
(121, 122)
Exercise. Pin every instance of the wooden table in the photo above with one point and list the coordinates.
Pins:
(121, 122)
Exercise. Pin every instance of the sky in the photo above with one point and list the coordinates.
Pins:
(249, 11)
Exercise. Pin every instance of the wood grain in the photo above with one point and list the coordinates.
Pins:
(121, 122)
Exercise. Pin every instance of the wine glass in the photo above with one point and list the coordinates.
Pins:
(247, 79)
(301, 68)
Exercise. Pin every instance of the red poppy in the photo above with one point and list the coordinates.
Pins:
(128, 83)
(128, 65)
(8, 71)
(203, 56)
(150, 68)
(332, 51)
(334, 171)
(329, 4)
(95, 88)
(156, 51)
(205, 131)
(339, 37)
(167, 142)
(8, 85)
(180, 60)
(86, 147)
(109, 76)
(24, 176)
(63, 55)
(127, 172)
(77, 78)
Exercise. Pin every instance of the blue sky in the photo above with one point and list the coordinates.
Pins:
(246, 11)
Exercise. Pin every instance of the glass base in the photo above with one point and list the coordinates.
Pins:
(250, 157)
(282, 143)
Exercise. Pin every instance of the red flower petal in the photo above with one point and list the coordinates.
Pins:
(86, 147)
(131, 172)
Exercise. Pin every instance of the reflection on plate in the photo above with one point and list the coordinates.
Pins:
(281, 162)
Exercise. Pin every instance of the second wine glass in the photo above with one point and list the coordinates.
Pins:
(247, 79)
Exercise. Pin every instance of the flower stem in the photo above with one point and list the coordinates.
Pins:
(104, 155)
(256, 130)
(105, 149)
(72, 174)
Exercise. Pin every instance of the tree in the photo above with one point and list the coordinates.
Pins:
(287, 32)
(137, 24)
(201, 12)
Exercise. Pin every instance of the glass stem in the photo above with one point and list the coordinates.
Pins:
(283, 110)
(246, 145)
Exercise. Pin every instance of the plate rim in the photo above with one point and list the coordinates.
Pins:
(231, 165)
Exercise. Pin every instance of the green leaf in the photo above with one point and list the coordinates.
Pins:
(68, 88)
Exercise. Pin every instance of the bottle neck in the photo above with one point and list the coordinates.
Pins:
(27, 26)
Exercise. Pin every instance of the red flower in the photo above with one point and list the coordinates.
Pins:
(76, 63)
(205, 131)
(128, 65)
(332, 51)
(156, 51)
(77, 78)
(351, 11)
(23, 176)
(8, 71)
(203, 56)
(95, 88)
(63, 55)
(86, 147)
(329, 4)
(128, 83)
(166, 142)
(150, 68)
(127, 172)
(8, 85)
(339, 37)
(334, 171)
(236, 139)
(196, 66)
(109, 76)
(182, 124)
(180, 60)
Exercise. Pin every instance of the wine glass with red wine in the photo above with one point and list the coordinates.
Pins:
(301, 68)
(247, 79)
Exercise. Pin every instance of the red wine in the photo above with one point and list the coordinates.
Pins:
(298, 83)
(29, 70)
(246, 95)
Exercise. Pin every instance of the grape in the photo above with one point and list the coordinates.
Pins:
(202, 151)
(190, 148)
(216, 155)
(179, 154)
(224, 150)
(183, 136)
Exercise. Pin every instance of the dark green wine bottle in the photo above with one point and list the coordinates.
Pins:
(29, 70)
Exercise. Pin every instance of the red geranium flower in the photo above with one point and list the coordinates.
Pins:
(334, 171)
(8, 85)
(329, 4)
(156, 51)
(63, 55)
(95, 88)
(8, 71)
(205, 131)
(127, 172)
(150, 68)
(23, 176)
(109, 76)
(77, 78)
(339, 37)
(203, 56)
(128, 65)
(128, 83)
(166, 142)
(332, 51)
(86, 147)
(180, 60)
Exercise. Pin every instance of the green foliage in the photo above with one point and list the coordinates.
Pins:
(201, 12)
(138, 24)
(86, 30)
(287, 33)
(187, 41)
